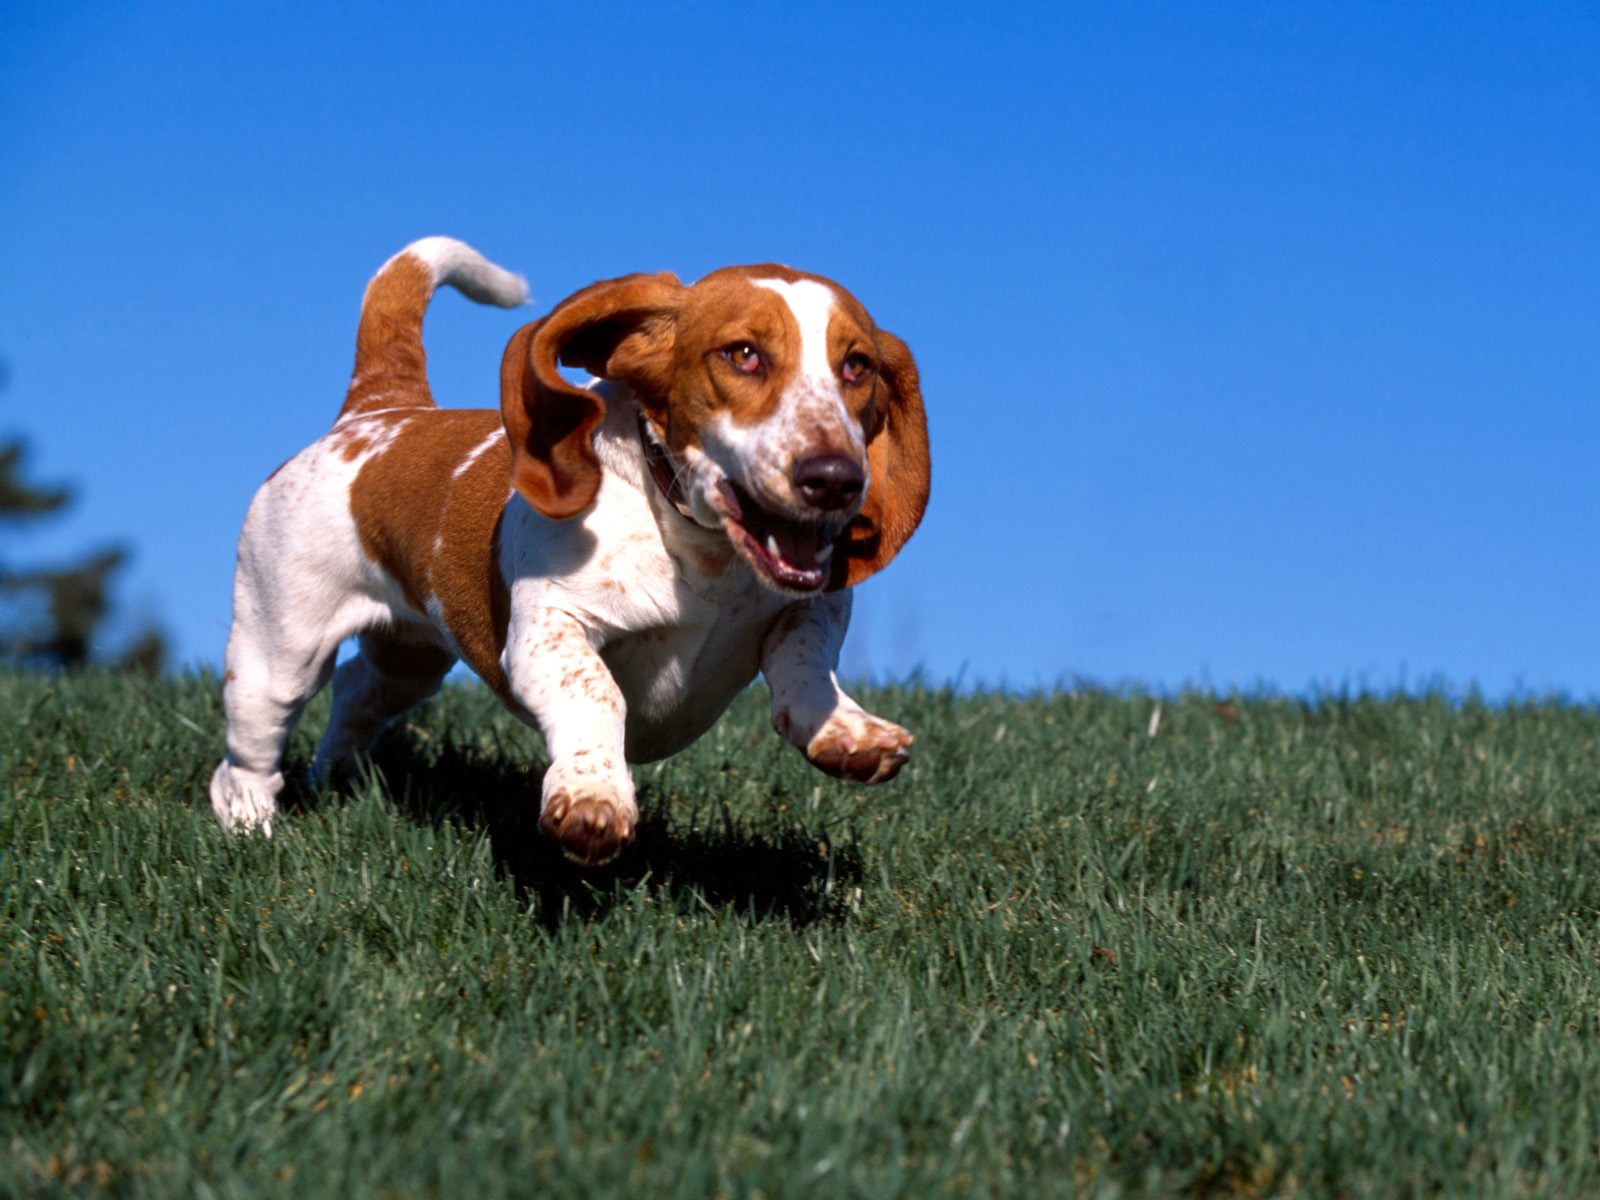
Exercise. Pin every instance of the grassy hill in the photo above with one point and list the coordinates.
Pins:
(1277, 948)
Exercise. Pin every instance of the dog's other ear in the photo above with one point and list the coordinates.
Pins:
(897, 458)
(620, 329)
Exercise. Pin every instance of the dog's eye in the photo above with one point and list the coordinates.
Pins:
(746, 359)
(856, 368)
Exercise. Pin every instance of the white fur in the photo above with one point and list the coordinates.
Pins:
(469, 272)
(477, 452)
(303, 585)
(812, 305)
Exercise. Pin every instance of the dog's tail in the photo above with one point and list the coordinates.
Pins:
(391, 369)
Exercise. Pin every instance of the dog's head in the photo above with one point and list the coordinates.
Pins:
(774, 409)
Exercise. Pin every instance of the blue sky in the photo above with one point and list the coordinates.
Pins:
(1261, 343)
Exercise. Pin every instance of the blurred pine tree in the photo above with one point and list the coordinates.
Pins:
(49, 617)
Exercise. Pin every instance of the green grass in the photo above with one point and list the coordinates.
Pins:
(1343, 948)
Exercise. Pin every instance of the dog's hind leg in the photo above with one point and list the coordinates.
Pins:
(392, 673)
(291, 609)
(265, 688)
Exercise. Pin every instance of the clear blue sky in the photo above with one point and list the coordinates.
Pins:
(1261, 343)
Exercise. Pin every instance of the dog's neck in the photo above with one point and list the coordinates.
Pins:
(658, 463)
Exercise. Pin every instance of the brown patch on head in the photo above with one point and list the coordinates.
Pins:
(855, 352)
(741, 348)
(728, 322)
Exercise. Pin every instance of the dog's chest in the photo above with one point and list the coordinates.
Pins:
(679, 618)
(677, 680)
(687, 651)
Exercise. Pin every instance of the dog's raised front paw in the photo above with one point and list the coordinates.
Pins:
(861, 747)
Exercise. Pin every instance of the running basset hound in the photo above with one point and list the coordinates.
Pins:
(615, 560)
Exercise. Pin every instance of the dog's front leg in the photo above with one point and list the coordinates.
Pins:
(556, 673)
(811, 710)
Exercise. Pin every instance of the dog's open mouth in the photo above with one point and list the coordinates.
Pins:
(793, 554)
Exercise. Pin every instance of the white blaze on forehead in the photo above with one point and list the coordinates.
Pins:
(812, 306)
(813, 397)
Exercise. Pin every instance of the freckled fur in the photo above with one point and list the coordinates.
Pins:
(615, 624)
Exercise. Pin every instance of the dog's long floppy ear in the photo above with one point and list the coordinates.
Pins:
(897, 459)
(619, 329)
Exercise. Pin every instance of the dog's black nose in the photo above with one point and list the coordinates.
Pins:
(829, 481)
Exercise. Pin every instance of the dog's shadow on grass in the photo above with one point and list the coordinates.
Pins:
(758, 870)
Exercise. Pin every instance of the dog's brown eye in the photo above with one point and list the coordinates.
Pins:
(856, 368)
(746, 359)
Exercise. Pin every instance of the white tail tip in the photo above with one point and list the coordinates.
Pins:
(469, 272)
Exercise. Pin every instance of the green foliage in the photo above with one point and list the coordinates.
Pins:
(1342, 948)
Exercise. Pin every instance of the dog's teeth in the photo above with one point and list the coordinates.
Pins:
(772, 546)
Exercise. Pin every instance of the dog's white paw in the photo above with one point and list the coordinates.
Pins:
(244, 801)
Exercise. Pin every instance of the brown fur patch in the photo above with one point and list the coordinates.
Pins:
(436, 532)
